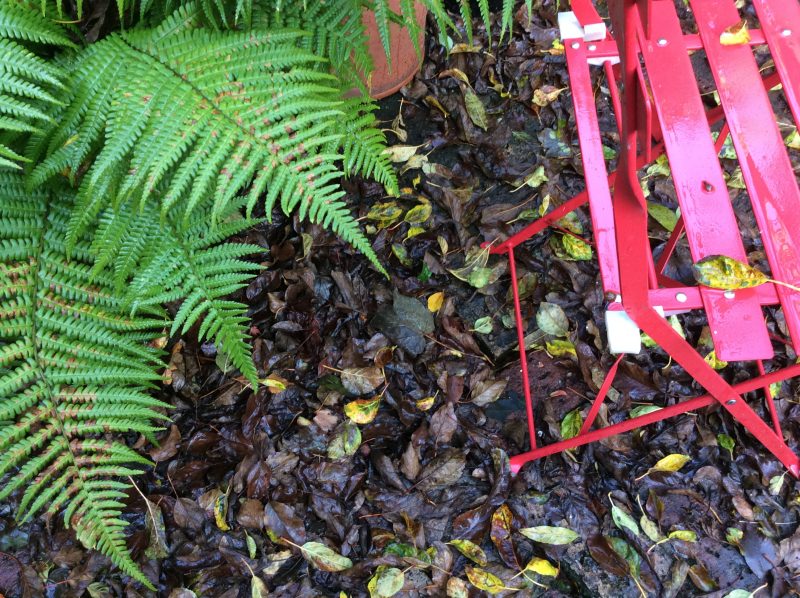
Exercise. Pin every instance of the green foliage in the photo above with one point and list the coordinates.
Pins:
(74, 366)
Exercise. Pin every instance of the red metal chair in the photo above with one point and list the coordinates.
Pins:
(661, 111)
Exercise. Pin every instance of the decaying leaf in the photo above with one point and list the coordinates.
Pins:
(362, 411)
(385, 214)
(324, 558)
(457, 588)
(663, 215)
(735, 35)
(550, 318)
(560, 348)
(470, 550)
(576, 248)
(547, 534)
(501, 534)
(546, 94)
(361, 381)
(386, 582)
(670, 463)
(723, 272)
(475, 108)
(483, 580)
(487, 391)
(346, 442)
(401, 153)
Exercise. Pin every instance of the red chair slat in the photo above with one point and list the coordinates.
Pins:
(737, 325)
(766, 168)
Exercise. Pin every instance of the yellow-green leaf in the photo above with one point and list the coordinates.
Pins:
(547, 534)
(386, 582)
(401, 153)
(560, 348)
(542, 567)
(346, 442)
(726, 442)
(793, 140)
(571, 424)
(324, 558)
(683, 534)
(717, 364)
(723, 272)
(483, 325)
(258, 589)
(650, 529)
(419, 213)
(413, 231)
(470, 550)
(475, 109)
(576, 248)
(385, 214)
(425, 403)
(483, 580)
(362, 411)
(622, 519)
(663, 215)
(221, 512)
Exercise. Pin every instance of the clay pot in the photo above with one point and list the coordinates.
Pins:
(386, 79)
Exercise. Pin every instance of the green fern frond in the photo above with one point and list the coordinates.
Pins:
(27, 82)
(189, 262)
(199, 114)
(74, 366)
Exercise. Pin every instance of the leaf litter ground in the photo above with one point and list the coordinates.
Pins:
(373, 458)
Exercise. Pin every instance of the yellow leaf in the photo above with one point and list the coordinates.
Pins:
(435, 302)
(483, 580)
(385, 213)
(413, 231)
(475, 109)
(556, 48)
(362, 411)
(576, 248)
(419, 213)
(456, 73)
(434, 103)
(542, 567)
(723, 272)
(426, 403)
(560, 348)
(683, 534)
(470, 550)
(221, 512)
(735, 35)
(714, 362)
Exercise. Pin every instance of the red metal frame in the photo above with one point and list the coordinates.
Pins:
(660, 112)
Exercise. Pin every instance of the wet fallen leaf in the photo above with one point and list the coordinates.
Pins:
(168, 447)
(361, 381)
(670, 463)
(542, 567)
(546, 94)
(362, 411)
(251, 545)
(401, 153)
(157, 546)
(483, 580)
(385, 214)
(457, 588)
(258, 589)
(793, 140)
(386, 582)
(560, 348)
(534, 180)
(443, 470)
(547, 534)
(683, 534)
(776, 483)
(726, 442)
(663, 215)
(650, 529)
(419, 213)
(723, 272)
(324, 558)
(455, 73)
(622, 519)
(475, 108)
(550, 318)
(221, 512)
(483, 325)
(643, 410)
(435, 301)
(628, 553)
(487, 391)
(571, 424)
(701, 578)
(470, 550)
(712, 360)
(500, 533)
(346, 442)
(425, 403)
(735, 35)
(576, 248)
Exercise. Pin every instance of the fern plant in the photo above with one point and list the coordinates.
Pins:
(125, 166)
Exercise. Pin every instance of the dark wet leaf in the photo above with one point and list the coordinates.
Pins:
(501, 534)
(361, 381)
(443, 470)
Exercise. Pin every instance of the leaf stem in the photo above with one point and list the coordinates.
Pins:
(784, 284)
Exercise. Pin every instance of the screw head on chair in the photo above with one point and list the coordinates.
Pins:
(662, 42)
(786, 32)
